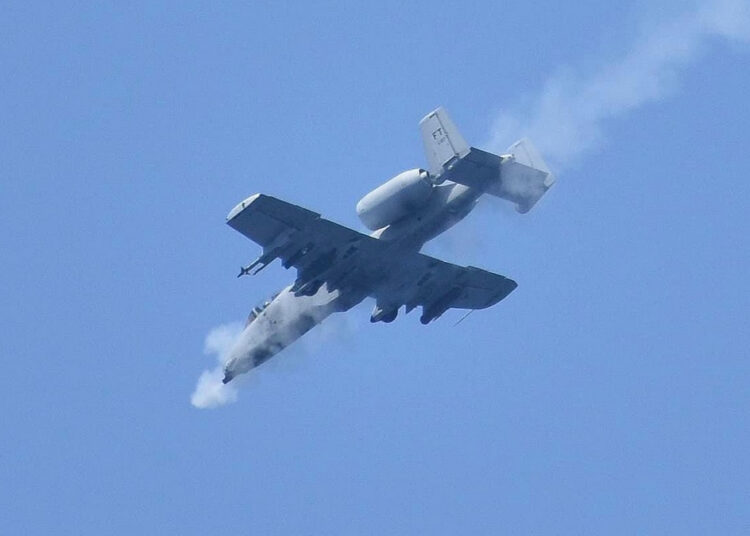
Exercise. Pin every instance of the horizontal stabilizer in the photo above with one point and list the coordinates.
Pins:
(521, 176)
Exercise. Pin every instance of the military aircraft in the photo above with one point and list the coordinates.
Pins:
(338, 267)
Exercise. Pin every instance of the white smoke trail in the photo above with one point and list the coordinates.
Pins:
(210, 392)
(565, 119)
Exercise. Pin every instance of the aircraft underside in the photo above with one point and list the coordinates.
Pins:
(338, 267)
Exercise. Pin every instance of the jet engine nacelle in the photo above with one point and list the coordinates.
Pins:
(397, 198)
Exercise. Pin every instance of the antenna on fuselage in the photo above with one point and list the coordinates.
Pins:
(464, 317)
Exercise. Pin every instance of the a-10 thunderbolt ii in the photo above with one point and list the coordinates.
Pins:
(338, 267)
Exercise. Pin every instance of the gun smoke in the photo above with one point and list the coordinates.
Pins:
(210, 392)
(231, 340)
(565, 119)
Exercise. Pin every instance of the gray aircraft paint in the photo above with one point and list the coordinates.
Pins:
(337, 267)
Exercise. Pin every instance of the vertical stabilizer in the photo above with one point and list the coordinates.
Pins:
(443, 142)
(525, 153)
(524, 177)
(521, 176)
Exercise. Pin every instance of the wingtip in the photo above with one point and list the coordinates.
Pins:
(239, 207)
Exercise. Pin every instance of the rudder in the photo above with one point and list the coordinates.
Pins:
(524, 176)
(442, 140)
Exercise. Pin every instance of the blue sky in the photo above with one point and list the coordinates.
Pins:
(608, 394)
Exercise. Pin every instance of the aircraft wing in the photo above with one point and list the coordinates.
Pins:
(325, 252)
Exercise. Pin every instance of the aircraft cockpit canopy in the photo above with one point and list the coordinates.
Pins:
(258, 309)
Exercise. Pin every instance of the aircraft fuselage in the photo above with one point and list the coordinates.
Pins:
(288, 316)
(338, 267)
(449, 204)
